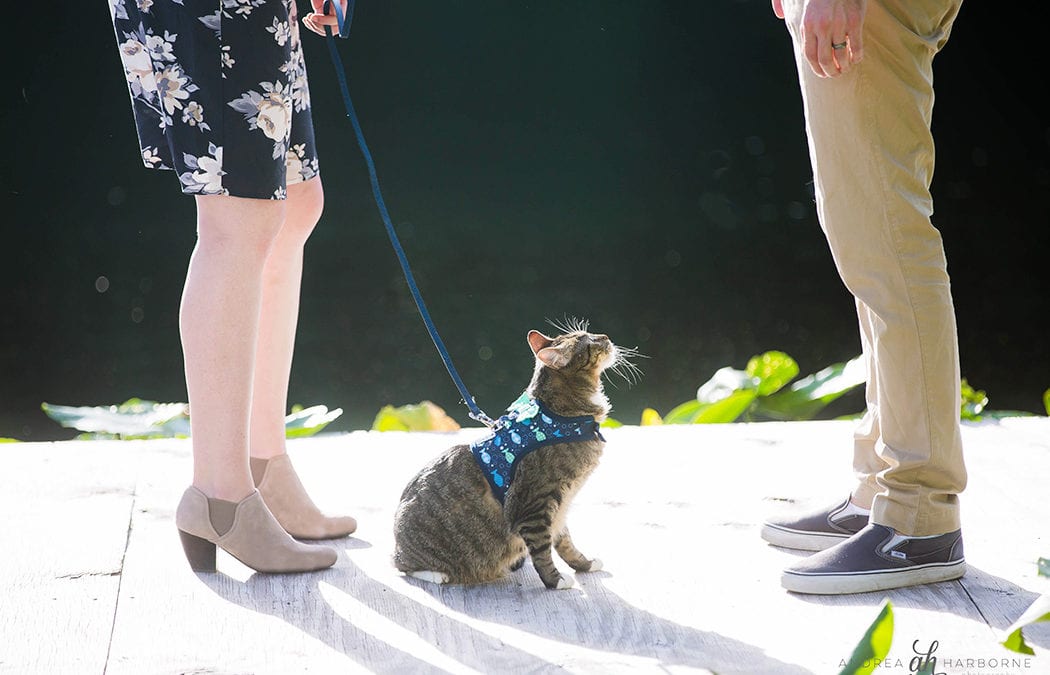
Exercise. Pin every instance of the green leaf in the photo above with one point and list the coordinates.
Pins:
(423, 416)
(651, 418)
(308, 421)
(724, 410)
(973, 402)
(875, 644)
(1015, 642)
(9, 440)
(387, 419)
(724, 383)
(772, 370)
(1004, 414)
(683, 413)
(811, 394)
(1037, 612)
(727, 410)
(1044, 567)
(610, 423)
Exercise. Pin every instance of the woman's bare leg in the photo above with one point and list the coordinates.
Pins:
(272, 469)
(282, 277)
(219, 324)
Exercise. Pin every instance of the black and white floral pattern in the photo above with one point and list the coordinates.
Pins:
(219, 93)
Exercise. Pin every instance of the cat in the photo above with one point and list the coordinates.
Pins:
(463, 520)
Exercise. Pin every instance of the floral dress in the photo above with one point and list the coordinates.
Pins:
(219, 93)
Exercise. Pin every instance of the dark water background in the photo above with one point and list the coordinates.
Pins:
(641, 164)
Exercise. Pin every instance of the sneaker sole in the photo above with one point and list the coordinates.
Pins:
(866, 582)
(800, 540)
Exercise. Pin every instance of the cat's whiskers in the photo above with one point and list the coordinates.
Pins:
(569, 325)
(623, 366)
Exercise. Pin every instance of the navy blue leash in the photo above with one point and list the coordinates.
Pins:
(344, 31)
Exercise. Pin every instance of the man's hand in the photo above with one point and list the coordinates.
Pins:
(831, 32)
(317, 20)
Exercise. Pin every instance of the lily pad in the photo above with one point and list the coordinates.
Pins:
(309, 421)
(132, 419)
(141, 419)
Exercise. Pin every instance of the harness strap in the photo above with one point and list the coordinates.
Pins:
(475, 413)
(527, 426)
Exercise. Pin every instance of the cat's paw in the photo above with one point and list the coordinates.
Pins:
(596, 565)
(564, 583)
(432, 577)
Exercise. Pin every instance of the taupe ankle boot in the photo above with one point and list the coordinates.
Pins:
(247, 531)
(286, 497)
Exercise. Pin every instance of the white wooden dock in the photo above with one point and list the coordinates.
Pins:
(92, 578)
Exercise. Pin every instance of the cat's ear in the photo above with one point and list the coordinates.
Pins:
(555, 357)
(538, 341)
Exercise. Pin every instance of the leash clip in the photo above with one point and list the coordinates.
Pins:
(480, 416)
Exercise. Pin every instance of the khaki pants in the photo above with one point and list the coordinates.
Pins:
(873, 154)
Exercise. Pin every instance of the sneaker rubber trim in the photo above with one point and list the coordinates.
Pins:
(801, 540)
(836, 583)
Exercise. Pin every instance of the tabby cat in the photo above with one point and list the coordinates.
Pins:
(479, 510)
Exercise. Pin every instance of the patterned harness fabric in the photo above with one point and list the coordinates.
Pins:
(526, 426)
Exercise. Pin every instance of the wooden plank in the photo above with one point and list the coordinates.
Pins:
(238, 621)
(751, 472)
(1007, 502)
(674, 513)
(67, 508)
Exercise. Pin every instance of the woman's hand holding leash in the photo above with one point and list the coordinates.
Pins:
(317, 19)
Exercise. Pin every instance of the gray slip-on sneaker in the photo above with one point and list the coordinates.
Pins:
(816, 530)
(877, 559)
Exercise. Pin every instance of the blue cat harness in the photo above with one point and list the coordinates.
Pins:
(527, 425)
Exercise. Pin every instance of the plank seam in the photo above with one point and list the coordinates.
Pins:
(975, 605)
(120, 581)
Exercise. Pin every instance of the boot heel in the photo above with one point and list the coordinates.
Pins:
(199, 552)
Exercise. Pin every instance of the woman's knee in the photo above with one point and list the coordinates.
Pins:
(234, 224)
(305, 205)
